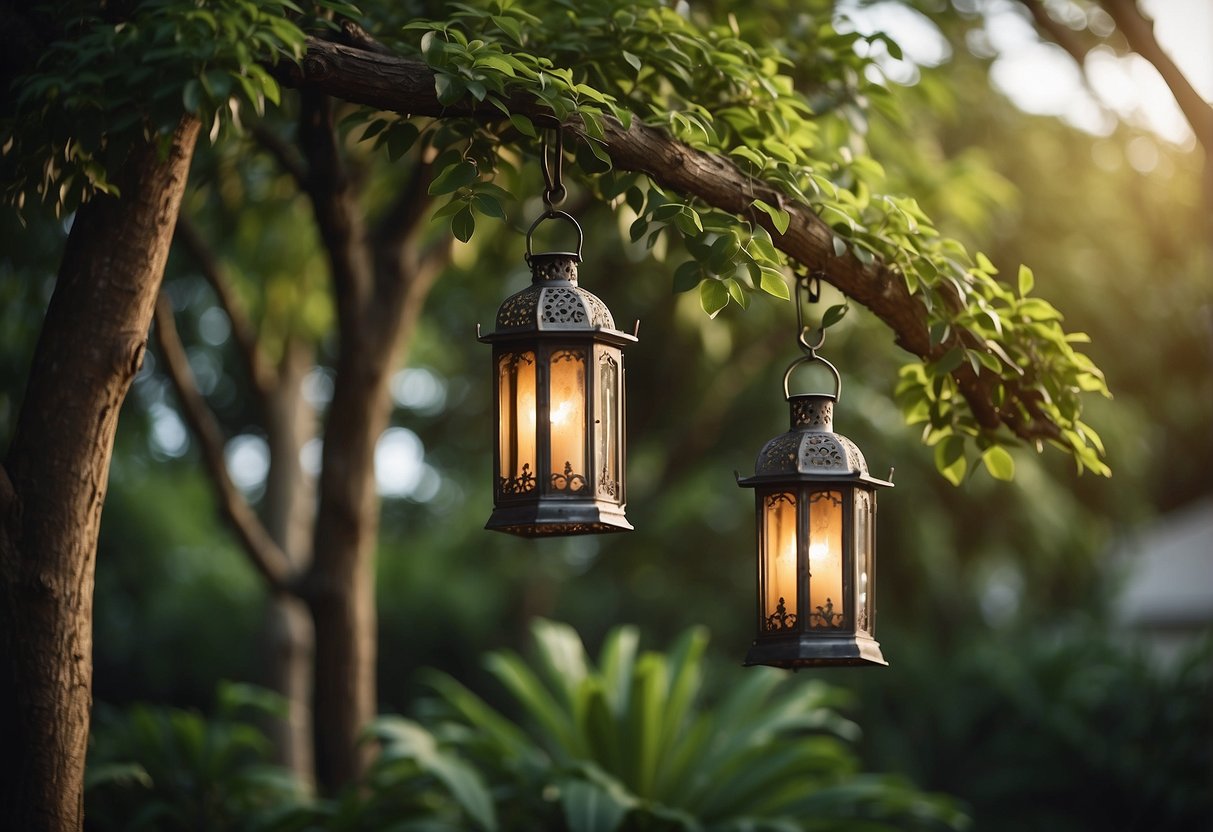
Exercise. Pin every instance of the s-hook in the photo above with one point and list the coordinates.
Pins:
(553, 166)
(808, 287)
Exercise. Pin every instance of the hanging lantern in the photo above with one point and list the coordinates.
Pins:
(558, 390)
(816, 551)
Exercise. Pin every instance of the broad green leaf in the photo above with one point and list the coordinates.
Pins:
(950, 459)
(772, 283)
(999, 463)
(463, 224)
(833, 315)
(589, 807)
(984, 263)
(713, 296)
(779, 218)
(687, 276)
(1026, 281)
(523, 125)
(458, 175)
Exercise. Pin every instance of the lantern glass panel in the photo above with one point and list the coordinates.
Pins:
(826, 604)
(566, 415)
(779, 562)
(516, 422)
(606, 424)
(863, 561)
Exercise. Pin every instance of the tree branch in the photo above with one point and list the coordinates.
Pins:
(1062, 35)
(255, 365)
(407, 86)
(337, 216)
(267, 557)
(1138, 30)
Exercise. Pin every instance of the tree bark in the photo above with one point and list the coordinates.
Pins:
(407, 86)
(53, 482)
(288, 636)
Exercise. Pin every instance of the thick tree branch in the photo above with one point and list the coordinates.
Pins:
(251, 356)
(407, 86)
(338, 217)
(267, 557)
(1138, 30)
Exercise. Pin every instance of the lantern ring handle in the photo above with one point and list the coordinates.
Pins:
(552, 214)
(809, 359)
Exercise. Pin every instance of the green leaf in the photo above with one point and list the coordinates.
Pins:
(463, 224)
(1026, 281)
(833, 315)
(523, 125)
(950, 459)
(779, 218)
(632, 59)
(999, 463)
(687, 276)
(589, 807)
(456, 176)
(400, 137)
(772, 283)
(985, 265)
(713, 296)
(949, 362)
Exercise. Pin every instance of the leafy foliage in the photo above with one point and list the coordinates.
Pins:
(715, 91)
(628, 744)
(108, 81)
(171, 769)
(1077, 730)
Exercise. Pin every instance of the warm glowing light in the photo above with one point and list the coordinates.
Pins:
(562, 412)
(516, 420)
(818, 552)
(781, 557)
(566, 414)
(826, 602)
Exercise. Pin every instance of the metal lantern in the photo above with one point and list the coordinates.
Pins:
(558, 390)
(816, 556)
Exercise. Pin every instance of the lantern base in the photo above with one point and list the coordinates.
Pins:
(558, 519)
(816, 651)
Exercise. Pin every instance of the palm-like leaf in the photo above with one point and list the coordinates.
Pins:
(628, 743)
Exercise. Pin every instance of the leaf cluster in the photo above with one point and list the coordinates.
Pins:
(107, 84)
(714, 91)
(628, 743)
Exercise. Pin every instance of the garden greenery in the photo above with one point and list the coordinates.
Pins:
(788, 108)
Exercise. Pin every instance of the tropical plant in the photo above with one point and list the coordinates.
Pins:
(166, 769)
(629, 743)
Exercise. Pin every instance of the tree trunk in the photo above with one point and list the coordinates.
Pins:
(288, 639)
(54, 479)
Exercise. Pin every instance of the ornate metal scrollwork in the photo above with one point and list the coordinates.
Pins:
(781, 619)
(521, 484)
(606, 486)
(825, 617)
(568, 481)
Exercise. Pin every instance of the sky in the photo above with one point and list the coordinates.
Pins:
(1041, 78)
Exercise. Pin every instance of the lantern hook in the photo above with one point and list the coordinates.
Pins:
(553, 214)
(554, 191)
(809, 285)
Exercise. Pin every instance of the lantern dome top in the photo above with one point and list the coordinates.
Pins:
(554, 303)
(811, 450)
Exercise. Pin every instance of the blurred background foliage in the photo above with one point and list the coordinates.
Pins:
(1014, 685)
